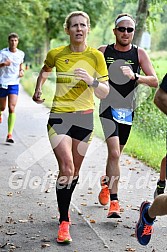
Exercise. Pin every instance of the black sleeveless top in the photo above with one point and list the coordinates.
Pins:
(122, 89)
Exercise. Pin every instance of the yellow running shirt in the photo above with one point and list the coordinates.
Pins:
(73, 95)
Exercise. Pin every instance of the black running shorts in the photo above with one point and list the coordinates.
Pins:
(112, 128)
(77, 125)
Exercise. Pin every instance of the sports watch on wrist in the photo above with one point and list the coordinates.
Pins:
(95, 83)
(136, 76)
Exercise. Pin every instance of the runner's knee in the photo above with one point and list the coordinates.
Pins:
(114, 155)
(11, 108)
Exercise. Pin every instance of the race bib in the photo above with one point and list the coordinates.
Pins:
(5, 86)
(122, 115)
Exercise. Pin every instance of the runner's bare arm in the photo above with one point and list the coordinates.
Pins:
(102, 48)
(150, 77)
(102, 90)
(43, 75)
(160, 100)
(21, 71)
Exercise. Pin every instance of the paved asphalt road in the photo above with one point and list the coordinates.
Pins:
(28, 208)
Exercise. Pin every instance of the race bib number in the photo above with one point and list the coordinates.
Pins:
(122, 115)
(5, 86)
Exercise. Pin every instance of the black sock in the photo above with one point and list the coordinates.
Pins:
(64, 193)
(148, 218)
(113, 196)
(74, 183)
(161, 183)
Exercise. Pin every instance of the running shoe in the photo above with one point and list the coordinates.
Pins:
(144, 229)
(114, 210)
(63, 233)
(159, 189)
(104, 195)
(9, 138)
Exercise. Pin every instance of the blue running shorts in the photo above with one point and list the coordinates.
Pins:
(11, 89)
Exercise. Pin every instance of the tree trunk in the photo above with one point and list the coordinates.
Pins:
(47, 41)
(141, 16)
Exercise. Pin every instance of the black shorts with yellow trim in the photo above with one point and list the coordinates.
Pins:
(77, 125)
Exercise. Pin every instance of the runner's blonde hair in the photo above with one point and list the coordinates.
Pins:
(73, 14)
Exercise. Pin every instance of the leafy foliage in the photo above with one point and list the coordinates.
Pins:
(150, 120)
(37, 22)
(24, 19)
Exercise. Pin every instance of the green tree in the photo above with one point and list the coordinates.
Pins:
(24, 19)
(58, 10)
(146, 13)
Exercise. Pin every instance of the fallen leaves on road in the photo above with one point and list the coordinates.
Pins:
(54, 217)
(122, 210)
(130, 249)
(105, 246)
(14, 168)
(45, 245)
(82, 195)
(79, 213)
(10, 220)
(45, 239)
(11, 232)
(3, 245)
(23, 221)
(126, 226)
(12, 248)
(128, 162)
(40, 203)
(10, 194)
(83, 204)
(134, 208)
(47, 190)
(132, 169)
(30, 218)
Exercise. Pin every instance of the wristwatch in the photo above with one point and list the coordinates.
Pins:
(95, 83)
(136, 76)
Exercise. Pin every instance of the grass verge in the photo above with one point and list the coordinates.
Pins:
(150, 151)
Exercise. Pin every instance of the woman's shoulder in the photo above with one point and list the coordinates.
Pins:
(95, 51)
(57, 49)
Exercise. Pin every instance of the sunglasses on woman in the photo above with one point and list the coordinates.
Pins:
(123, 29)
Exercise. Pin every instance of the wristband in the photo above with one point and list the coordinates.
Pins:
(136, 76)
(95, 83)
